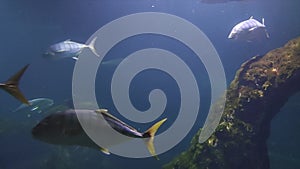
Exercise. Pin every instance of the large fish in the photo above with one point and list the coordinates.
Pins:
(64, 128)
(249, 30)
(12, 86)
(68, 49)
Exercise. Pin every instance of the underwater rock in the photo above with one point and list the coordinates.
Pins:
(260, 88)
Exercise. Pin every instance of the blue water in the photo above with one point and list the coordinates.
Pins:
(29, 27)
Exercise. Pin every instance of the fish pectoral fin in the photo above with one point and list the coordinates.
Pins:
(75, 58)
(105, 151)
(149, 137)
(252, 29)
(60, 51)
(267, 34)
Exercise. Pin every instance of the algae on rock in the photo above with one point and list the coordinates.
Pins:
(260, 88)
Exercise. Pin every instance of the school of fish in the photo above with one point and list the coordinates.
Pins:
(63, 127)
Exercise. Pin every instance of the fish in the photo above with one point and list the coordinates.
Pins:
(112, 62)
(64, 128)
(11, 86)
(37, 105)
(68, 49)
(249, 30)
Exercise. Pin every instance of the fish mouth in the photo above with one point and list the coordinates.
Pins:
(35, 131)
(38, 130)
(230, 36)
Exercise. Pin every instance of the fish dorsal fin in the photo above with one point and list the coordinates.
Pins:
(104, 150)
(105, 114)
(251, 17)
(263, 21)
(68, 41)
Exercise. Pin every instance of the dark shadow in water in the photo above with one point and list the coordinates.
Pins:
(283, 143)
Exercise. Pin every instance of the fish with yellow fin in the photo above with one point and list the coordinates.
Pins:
(64, 128)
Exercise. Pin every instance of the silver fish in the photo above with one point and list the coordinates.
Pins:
(68, 49)
(11, 86)
(64, 128)
(37, 105)
(249, 30)
(112, 62)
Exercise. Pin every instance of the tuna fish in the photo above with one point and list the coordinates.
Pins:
(249, 30)
(64, 128)
(68, 49)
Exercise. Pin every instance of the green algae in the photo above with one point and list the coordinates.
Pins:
(260, 88)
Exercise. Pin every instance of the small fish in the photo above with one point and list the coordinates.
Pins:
(36, 105)
(64, 128)
(112, 62)
(12, 86)
(249, 30)
(68, 49)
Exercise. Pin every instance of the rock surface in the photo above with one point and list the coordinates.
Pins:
(261, 87)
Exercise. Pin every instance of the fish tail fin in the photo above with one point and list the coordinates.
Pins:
(92, 46)
(12, 86)
(149, 137)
